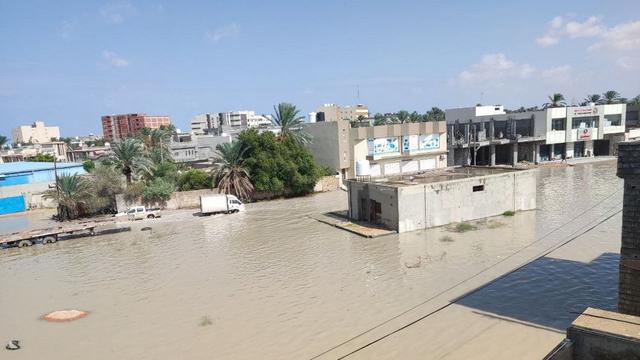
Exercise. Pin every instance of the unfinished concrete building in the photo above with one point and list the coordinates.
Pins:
(439, 197)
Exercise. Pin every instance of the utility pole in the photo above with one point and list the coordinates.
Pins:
(55, 172)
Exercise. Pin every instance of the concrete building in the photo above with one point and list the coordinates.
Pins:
(389, 149)
(488, 135)
(188, 148)
(211, 123)
(439, 197)
(57, 149)
(115, 127)
(333, 112)
(35, 133)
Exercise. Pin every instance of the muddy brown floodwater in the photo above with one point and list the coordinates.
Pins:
(272, 283)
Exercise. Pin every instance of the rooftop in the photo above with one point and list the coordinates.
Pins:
(440, 175)
(28, 166)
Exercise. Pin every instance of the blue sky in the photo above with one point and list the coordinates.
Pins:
(69, 62)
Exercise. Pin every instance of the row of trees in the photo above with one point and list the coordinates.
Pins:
(608, 97)
(257, 164)
(403, 116)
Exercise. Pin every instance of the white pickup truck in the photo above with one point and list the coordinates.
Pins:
(139, 213)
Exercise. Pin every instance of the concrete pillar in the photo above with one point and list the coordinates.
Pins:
(536, 153)
(629, 285)
(551, 152)
(514, 154)
(492, 129)
(492, 151)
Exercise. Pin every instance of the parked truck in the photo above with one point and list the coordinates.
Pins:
(220, 203)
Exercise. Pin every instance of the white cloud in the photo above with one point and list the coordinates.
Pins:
(559, 72)
(67, 28)
(547, 40)
(227, 31)
(114, 59)
(495, 67)
(623, 37)
(559, 28)
(118, 12)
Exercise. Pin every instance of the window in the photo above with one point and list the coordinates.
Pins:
(478, 188)
(613, 120)
(584, 122)
(558, 124)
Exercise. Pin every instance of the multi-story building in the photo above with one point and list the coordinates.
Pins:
(333, 112)
(115, 127)
(388, 149)
(35, 133)
(210, 123)
(196, 148)
(488, 135)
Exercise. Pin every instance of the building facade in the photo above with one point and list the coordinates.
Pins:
(211, 123)
(188, 148)
(388, 149)
(333, 112)
(35, 133)
(488, 135)
(115, 127)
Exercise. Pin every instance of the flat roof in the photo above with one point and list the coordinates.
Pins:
(440, 175)
(28, 166)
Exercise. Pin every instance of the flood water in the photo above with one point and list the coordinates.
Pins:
(273, 283)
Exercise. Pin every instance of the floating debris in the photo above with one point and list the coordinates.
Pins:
(415, 264)
(13, 345)
(205, 321)
(146, 228)
(64, 315)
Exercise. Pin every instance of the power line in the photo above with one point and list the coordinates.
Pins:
(465, 280)
(556, 247)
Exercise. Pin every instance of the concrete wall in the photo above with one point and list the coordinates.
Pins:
(330, 143)
(409, 208)
(327, 183)
(178, 200)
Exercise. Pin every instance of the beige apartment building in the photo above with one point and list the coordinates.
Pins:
(35, 133)
(388, 149)
(333, 112)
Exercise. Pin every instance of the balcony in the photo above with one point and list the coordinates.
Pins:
(613, 129)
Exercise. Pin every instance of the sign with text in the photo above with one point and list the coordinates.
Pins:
(585, 110)
(584, 134)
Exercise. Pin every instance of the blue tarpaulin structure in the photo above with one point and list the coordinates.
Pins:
(12, 204)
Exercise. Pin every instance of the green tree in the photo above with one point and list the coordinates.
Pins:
(555, 100)
(593, 98)
(128, 156)
(611, 97)
(435, 114)
(106, 182)
(158, 190)
(402, 116)
(194, 179)
(73, 194)
(278, 167)
(415, 117)
(42, 157)
(88, 165)
(3, 141)
(287, 118)
(231, 175)
(635, 101)
(379, 119)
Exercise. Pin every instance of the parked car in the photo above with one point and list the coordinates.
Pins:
(139, 213)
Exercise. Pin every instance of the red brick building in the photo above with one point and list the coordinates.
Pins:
(116, 127)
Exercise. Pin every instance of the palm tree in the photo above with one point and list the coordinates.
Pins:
(435, 114)
(230, 175)
(73, 194)
(414, 117)
(593, 98)
(379, 119)
(3, 141)
(129, 157)
(555, 100)
(635, 101)
(402, 116)
(287, 118)
(611, 97)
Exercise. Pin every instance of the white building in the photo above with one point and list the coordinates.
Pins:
(209, 123)
(35, 133)
(489, 134)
